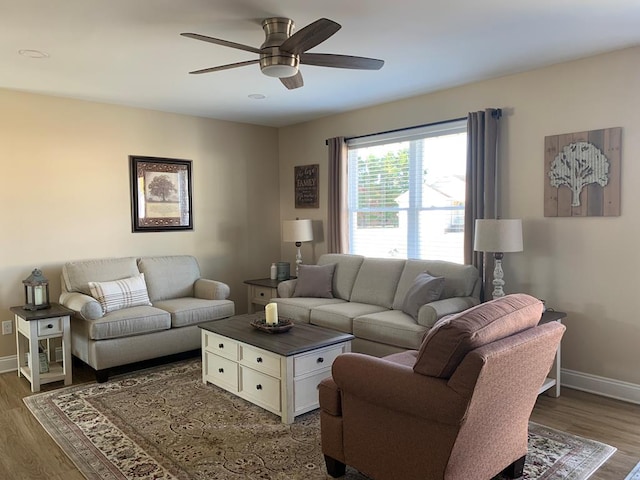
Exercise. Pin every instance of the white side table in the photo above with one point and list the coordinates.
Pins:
(552, 383)
(260, 291)
(32, 326)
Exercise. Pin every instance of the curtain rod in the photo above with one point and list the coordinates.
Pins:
(497, 113)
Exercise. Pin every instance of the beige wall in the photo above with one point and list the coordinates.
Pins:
(64, 191)
(587, 267)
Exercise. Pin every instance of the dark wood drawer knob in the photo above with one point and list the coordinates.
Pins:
(262, 294)
(221, 370)
(258, 387)
(221, 345)
(320, 360)
(259, 359)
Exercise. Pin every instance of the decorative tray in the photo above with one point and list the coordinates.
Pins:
(283, 325)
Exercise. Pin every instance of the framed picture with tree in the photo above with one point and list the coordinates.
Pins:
(160, 194)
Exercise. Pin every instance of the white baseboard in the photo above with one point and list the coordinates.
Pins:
(8, 364)
(607, 387)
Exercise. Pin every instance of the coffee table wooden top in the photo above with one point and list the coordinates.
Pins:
(301, 338)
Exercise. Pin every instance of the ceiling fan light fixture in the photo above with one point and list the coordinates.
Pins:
(279, 71)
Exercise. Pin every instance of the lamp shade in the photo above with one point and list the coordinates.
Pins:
(297, 231)
(498, 235)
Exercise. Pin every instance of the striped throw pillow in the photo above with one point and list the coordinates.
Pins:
(128, 292)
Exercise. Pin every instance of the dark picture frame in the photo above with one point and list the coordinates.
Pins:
(160, 194)
(306, 186)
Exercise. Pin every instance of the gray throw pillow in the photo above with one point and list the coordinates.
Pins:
(425, 289)
(315, 281)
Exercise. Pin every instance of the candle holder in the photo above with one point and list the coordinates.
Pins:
(283, 325)
(36, 291)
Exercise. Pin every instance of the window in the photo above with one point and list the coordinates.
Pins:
(407, 192)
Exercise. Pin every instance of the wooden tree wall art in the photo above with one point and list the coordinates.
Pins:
(582, 174)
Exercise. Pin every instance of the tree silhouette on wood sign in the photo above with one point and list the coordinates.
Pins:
(162, 186)
(578, 165)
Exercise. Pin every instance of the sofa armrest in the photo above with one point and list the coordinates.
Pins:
(398, 388)
(211, 289)
(430, 313)
(286, 288)
(88, 307)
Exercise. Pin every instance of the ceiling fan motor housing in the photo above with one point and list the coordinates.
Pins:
(273, 62)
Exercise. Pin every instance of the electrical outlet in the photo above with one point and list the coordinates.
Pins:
(7, 327)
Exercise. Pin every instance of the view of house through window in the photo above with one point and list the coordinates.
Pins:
(407, 193)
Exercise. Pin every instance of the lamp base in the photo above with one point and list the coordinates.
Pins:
(298, 257)
(498, 276)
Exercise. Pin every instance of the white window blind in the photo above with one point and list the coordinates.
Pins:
(407, 193)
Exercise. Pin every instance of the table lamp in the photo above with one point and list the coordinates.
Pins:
(498, 236)
(297, 231)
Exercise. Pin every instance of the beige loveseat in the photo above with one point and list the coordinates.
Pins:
(133, 309)
(368, 300)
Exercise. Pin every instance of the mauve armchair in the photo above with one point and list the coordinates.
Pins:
(457, 409)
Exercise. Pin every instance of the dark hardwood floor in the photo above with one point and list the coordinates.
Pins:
(29, 453)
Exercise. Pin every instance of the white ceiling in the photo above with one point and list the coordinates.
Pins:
(130, 52)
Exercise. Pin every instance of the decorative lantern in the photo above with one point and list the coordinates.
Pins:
(36, 291)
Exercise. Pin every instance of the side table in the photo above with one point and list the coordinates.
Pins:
(551, 384)
(33, 326)
(261, 290)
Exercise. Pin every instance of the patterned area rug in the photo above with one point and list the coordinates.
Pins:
(164, 423)
(634, 474)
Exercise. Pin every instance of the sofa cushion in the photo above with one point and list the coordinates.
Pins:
(391, 327)
(170, 276)
(339, 316)
(425, 289)
(190, 311)
(347, 268)
(128, 322)
(315, 281)
(377, 281)
(119, 294)
(452, 337)
(77, 275)
(299, 309)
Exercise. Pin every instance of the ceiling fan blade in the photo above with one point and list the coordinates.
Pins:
(310, 36)
(341, 61)
(219, 41)
(226, 67)
(293, 82)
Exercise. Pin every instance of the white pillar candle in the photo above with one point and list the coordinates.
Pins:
(271, 312)
(38, 297)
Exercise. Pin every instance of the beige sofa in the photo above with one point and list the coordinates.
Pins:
(122, 317)
(368, 299)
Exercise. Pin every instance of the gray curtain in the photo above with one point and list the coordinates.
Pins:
(482, 188)
(337, 226)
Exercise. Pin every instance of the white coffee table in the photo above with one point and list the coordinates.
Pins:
(279, 372)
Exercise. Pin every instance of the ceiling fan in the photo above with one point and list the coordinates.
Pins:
(284, 51)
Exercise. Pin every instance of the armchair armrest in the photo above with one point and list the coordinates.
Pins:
(211, 289)
(88, 307)
(430, 313)
(397, 387)
(286, 288)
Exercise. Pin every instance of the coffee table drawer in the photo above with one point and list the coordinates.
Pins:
(223, 346)
(306, 392)
(222, 372)
(260, 389)
(316, 360)
(257, 359)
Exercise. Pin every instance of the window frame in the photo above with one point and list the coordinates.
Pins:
(415, 169)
